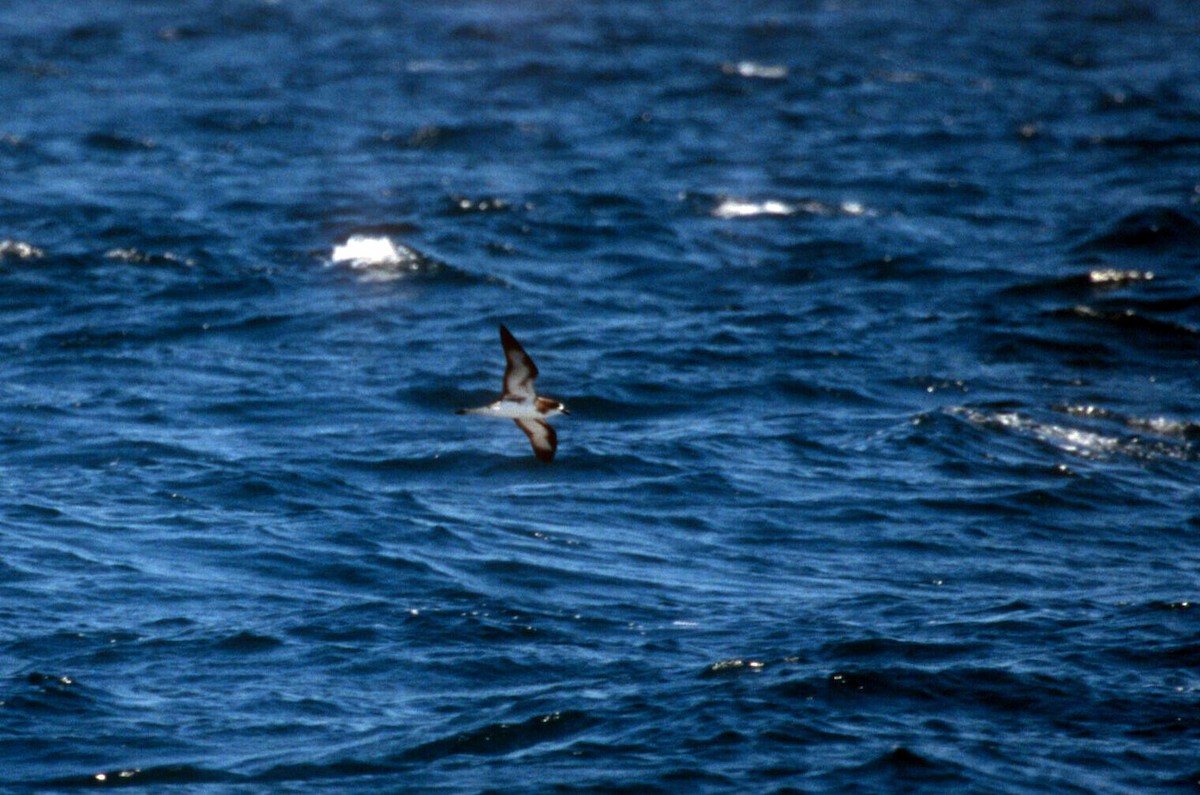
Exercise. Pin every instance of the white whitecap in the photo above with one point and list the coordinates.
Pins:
(19, 249)
(1117, 276)
(741, 208)
(754, 70)
(1166, 426)
(360, 250)
(1072, 440)
(379, 258)
(736, 208)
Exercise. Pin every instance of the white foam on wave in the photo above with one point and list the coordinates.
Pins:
(1072, 440)
(19, 249)
(735, 208)
(1163, 426)
(377, 258)
(134, 256)
(1087, 443)
(1116, 276)
(757, 71)
(741, 208)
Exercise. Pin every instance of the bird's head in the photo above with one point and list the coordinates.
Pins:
(550, 406)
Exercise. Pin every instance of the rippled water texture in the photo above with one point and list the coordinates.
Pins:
(879, 324)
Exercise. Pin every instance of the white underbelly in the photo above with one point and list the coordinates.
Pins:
(510, 410)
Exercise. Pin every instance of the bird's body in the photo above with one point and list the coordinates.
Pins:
(508, 409)
(520, 403)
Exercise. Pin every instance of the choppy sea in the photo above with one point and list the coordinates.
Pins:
(879, 324)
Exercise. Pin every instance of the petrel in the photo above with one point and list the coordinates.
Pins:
(520, 403)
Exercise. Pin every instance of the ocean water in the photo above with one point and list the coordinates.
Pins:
(880, 328)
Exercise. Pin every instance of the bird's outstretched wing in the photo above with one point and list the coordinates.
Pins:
(541, 436)
(520, 372)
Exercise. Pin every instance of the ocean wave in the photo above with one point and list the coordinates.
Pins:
(731, 208)
(134, 256)
(1092, 282)
(18, 249)
(503, 738)
(165, 776)
(1090, 441)
(380, 259)
(755, 70)
(1131, 320)
(1153, 228)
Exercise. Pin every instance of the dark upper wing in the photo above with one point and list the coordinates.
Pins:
(541, 436)
(520, 372)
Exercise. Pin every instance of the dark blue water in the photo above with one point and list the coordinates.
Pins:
(879, 324)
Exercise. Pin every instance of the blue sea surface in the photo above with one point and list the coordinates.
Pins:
(879, 324)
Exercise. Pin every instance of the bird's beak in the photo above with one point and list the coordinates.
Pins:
(563, 409)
